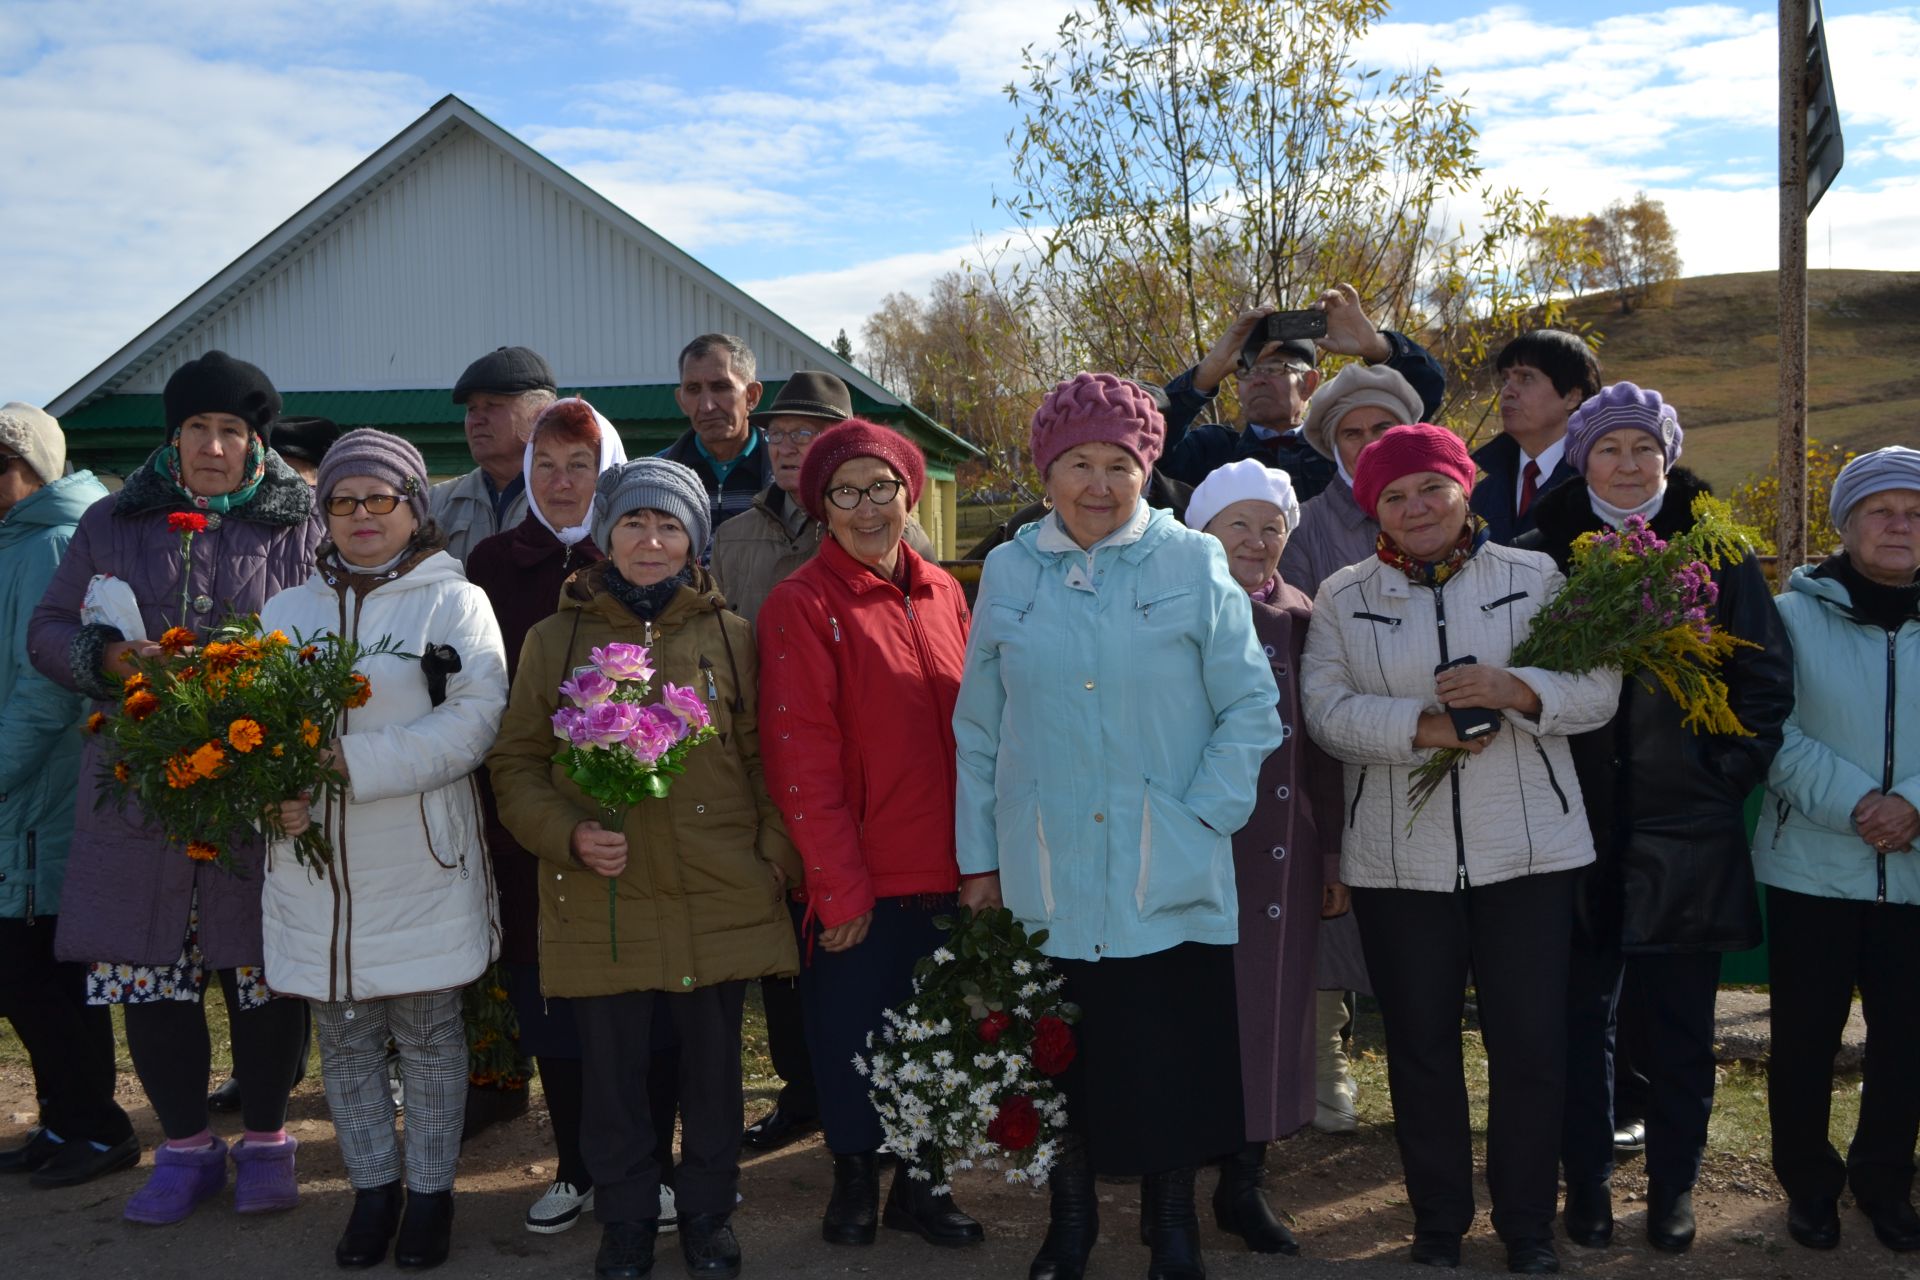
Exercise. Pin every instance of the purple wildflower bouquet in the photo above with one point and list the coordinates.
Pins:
(1641, 605)
(622, 748)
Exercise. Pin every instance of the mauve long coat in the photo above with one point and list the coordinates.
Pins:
(1281, 861)
(128, 892)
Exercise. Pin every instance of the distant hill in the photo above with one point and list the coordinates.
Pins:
(1713, 352)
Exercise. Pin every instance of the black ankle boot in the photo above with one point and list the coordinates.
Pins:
(1073, 1218)
(426, 1230)
(375, 1216)
(912, 1206)
(1670, 1225)
(853, 1210)
(1588, 1216)
(1173, 1229)
(1240, 1203)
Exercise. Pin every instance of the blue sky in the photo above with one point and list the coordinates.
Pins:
(820, 152)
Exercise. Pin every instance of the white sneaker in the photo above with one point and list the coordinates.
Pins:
(559, 1209)
(669, 1216)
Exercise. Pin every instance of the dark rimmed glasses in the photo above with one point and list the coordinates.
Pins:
(377, 504)
(879, 493)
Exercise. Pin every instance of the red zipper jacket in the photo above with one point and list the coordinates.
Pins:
(857, 686)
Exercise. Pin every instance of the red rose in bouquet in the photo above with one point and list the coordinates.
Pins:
(1053, 1047)
(993, 1026)
(1017, 1125)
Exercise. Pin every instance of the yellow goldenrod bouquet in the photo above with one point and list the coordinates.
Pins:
(210, 738)
(1641, 605)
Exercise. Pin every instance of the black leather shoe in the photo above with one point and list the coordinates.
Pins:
(1588, 1216)
(1073, 1218)
(708, 1244)
(1173, 1229)
(31, 1154)
(426, 1230)
(1630, 1139)
(912, 1206)
(1814, 1222)
(1670, 1225)
(626, 1251)
(1436, 1249)
(1532, 1257)
(778, 1128)
(75, 1162)
(375, 1217)
(1896, 1225)
(853, 1210)
(225, 1099)
(1240, 1203)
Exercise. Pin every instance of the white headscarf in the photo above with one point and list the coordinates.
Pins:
(612, 454)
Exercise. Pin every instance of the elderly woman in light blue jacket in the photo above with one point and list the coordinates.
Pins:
(1112, 719)
(1836, 849)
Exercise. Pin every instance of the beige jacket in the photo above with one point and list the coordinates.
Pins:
(464, 510)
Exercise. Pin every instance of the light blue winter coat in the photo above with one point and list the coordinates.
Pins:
(1849, 678)
(1110, 736)
(39, 720)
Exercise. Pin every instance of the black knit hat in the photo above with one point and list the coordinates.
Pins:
(505, 371)
(809, 394)
(306, 439)
(217, 383)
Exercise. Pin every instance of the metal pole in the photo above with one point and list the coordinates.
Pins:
(1791, 532)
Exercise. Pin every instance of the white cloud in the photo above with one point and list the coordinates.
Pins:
(822, 303)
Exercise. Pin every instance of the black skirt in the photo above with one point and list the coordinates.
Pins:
(1156, 1083)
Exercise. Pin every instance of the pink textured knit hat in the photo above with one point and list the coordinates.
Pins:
(1405, 451)
(1097, 408)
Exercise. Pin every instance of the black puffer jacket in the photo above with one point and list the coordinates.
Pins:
(1673, 872)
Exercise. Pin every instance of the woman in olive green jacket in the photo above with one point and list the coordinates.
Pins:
(698, 878)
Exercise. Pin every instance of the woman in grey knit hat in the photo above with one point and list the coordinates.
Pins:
(695, 910)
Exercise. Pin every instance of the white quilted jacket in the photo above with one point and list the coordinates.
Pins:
(1368, 676)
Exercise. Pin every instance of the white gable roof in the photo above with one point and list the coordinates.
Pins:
(453, 239)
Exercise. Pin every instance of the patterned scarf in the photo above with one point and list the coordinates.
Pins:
(168, 465)
(1422, 573)
(645, 603)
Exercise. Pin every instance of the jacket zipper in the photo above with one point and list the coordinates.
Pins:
(1886, 767)
(1459, 829)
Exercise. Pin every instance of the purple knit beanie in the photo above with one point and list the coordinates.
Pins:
(1616, 408)
(1097, 408)
(384, 457)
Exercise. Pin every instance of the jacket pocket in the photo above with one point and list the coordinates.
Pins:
(1185, 865)
(1359, 789)
(1552, 780)
(1026, 859)
(450, 819)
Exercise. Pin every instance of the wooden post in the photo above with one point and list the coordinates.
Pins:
(1790, 536)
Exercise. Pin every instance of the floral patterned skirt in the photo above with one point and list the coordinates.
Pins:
(184, 979)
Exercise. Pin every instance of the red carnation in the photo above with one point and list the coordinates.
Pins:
(1053, 1046)
(993, 1026)
(187, 522)
(1017, 1124)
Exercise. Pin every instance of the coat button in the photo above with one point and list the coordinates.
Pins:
(1096, 948)
(1286, 731)
(1089, 684)
(699, 808)
(1282, 791)
(1273, 911)
(213, 520)
(1099, 817)
(347, 1014)
(1279, 670)
(686, 982)
(203, 604)
(1279, 852)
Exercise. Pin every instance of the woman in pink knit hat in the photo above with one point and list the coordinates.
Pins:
(1111, 725)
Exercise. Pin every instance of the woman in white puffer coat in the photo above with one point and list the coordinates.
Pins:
(383, 939)
(1481, 879)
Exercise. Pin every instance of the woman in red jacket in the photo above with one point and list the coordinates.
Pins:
(860, 658)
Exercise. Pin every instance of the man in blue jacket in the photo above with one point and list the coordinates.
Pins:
(1545, 374)
(1275, 383)
(83, 1133)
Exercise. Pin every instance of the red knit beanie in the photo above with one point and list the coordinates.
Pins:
(858, 438)
(1097, 408)
(1406, 451)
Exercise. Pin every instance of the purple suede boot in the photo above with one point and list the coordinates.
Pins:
(180, 1180)
(263, 1179)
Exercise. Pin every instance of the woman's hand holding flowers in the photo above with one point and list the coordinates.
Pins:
(600, 851)
(296, 816)
(117, 659)
(1480, 685)
(981, 893)
(1436, 730)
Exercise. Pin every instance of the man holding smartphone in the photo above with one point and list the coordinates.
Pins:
(1276, 379)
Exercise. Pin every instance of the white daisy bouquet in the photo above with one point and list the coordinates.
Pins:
(966, 1071)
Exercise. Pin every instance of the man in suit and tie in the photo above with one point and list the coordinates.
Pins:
(1545, 374)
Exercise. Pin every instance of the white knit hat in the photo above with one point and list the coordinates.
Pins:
(1238, 482)
(36, 436)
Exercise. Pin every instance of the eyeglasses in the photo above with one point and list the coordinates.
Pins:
(377, 504)
(1273, 371)
(803, 436)
(879, 493)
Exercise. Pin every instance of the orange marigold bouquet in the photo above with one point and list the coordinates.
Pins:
(210, 738)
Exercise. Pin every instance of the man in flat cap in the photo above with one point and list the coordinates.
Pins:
(503, 391)
(718, 392)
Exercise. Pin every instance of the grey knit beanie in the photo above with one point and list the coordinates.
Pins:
(1894, 467)
(657, 485)
(36, 436)
(367, 452)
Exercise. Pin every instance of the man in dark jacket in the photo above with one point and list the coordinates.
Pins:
(718, 391)
(1545, 374)
(1275, 383)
